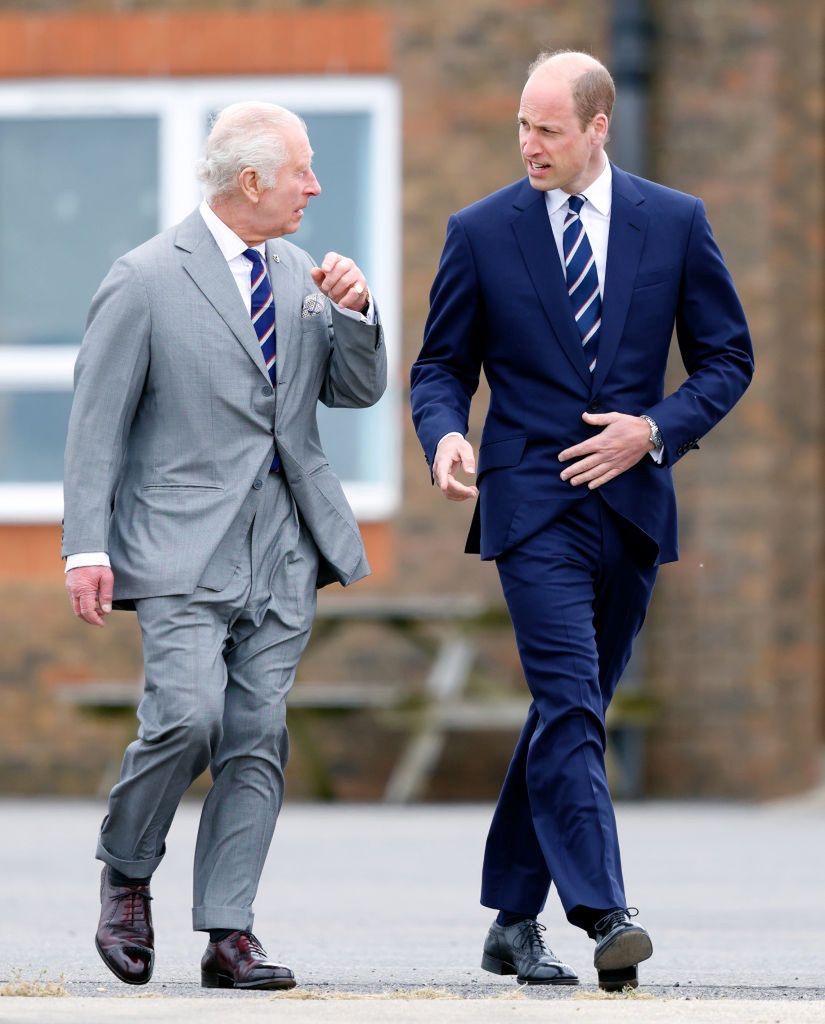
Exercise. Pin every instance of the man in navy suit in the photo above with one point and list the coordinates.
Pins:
(566, 287)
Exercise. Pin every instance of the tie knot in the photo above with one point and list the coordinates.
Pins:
(575, 203)
(254, 256)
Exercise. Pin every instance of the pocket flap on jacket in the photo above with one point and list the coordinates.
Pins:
(501, 453)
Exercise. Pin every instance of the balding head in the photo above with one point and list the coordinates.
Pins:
(591, 87)
(563, 121)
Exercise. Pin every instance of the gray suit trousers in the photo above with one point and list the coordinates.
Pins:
(219, 663)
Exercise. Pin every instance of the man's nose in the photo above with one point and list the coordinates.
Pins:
(313, 187)
(529, 145)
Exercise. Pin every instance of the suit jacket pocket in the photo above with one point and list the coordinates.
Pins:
(496, 454)
(182, 487)
(650, 278)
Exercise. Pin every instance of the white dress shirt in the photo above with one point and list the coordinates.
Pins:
(232, 247)
(595, 216)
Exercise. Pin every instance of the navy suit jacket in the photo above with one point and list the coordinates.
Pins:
(499, 302)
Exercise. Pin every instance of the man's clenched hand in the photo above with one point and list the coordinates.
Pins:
(454, 452)
(90, 590)
(341, 279)
(621, 444)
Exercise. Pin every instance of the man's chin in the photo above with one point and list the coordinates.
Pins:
(540, 184)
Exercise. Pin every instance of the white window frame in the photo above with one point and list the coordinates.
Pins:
(181, 107)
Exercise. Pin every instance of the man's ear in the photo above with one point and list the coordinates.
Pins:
(600, 126)
(249, 184)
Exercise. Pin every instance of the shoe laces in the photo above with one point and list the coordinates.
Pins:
(138, 906)
(531, 936)
(615, 917)
(248, 943)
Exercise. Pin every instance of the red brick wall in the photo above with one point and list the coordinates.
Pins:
(735, 637)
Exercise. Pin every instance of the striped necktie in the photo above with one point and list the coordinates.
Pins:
(263, 318)
(582, 280)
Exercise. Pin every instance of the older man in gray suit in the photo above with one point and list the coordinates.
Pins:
(197, 492)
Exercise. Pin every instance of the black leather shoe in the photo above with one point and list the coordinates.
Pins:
(240, 961)
(620, 946)
(125, 938)
(519, 949)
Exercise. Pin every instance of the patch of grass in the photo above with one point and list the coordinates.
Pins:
(38, 988)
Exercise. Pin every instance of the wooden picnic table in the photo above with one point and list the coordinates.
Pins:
(444, 628)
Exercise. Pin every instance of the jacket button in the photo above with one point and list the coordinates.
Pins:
(594, 407)
(266, 390)
(258, 485)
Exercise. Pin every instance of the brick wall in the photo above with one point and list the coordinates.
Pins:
(732, 641)
(736, 630)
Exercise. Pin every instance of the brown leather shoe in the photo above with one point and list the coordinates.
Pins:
(125, 938)
(240, 961)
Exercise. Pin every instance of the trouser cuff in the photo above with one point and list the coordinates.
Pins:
(130, 868)
(520, 901)
(206, 918)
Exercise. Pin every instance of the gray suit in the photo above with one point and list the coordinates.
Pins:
(173, 416)
(171, 437)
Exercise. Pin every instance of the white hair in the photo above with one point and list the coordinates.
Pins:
(248, 134)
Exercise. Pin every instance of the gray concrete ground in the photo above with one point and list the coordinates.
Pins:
(362, 901)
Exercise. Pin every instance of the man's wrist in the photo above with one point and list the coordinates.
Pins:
(86, 558)
(655, 438)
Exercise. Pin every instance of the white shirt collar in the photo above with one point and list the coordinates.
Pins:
(599, 193)
(228, 242)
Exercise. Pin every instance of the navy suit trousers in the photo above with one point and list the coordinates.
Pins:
(577, 592)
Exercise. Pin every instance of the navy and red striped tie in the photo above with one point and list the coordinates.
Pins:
(582, 280)
(263, 319)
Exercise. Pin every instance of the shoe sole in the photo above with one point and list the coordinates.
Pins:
(117, 974)
(619, 980)
(628, 948)
(496, 966)
(223, 981)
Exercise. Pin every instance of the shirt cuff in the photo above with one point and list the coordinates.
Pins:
(658, 455)
(367, 317)
(452, 433)
(85, 558)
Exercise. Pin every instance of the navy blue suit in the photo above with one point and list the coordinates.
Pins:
(577, 567)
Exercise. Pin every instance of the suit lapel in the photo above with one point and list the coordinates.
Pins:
(538, 247)
(628, 226)
(205, 264)
(286, 302)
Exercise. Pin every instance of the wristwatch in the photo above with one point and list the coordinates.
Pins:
(655, 438)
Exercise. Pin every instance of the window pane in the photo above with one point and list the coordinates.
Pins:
(32, 435)
(337, 220)
(356, 441)
(75, 193)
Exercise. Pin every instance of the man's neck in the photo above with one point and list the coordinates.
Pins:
(234, 214)
(594, 170)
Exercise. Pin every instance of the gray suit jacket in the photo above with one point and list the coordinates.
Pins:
(174, 419)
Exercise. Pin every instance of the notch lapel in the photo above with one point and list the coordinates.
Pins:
(204, 263)
(628, 227)
(287, 303)
(538, 247)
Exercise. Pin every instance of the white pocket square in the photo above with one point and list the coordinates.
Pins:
(312, 305)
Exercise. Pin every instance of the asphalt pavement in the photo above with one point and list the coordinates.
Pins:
(376, 909)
